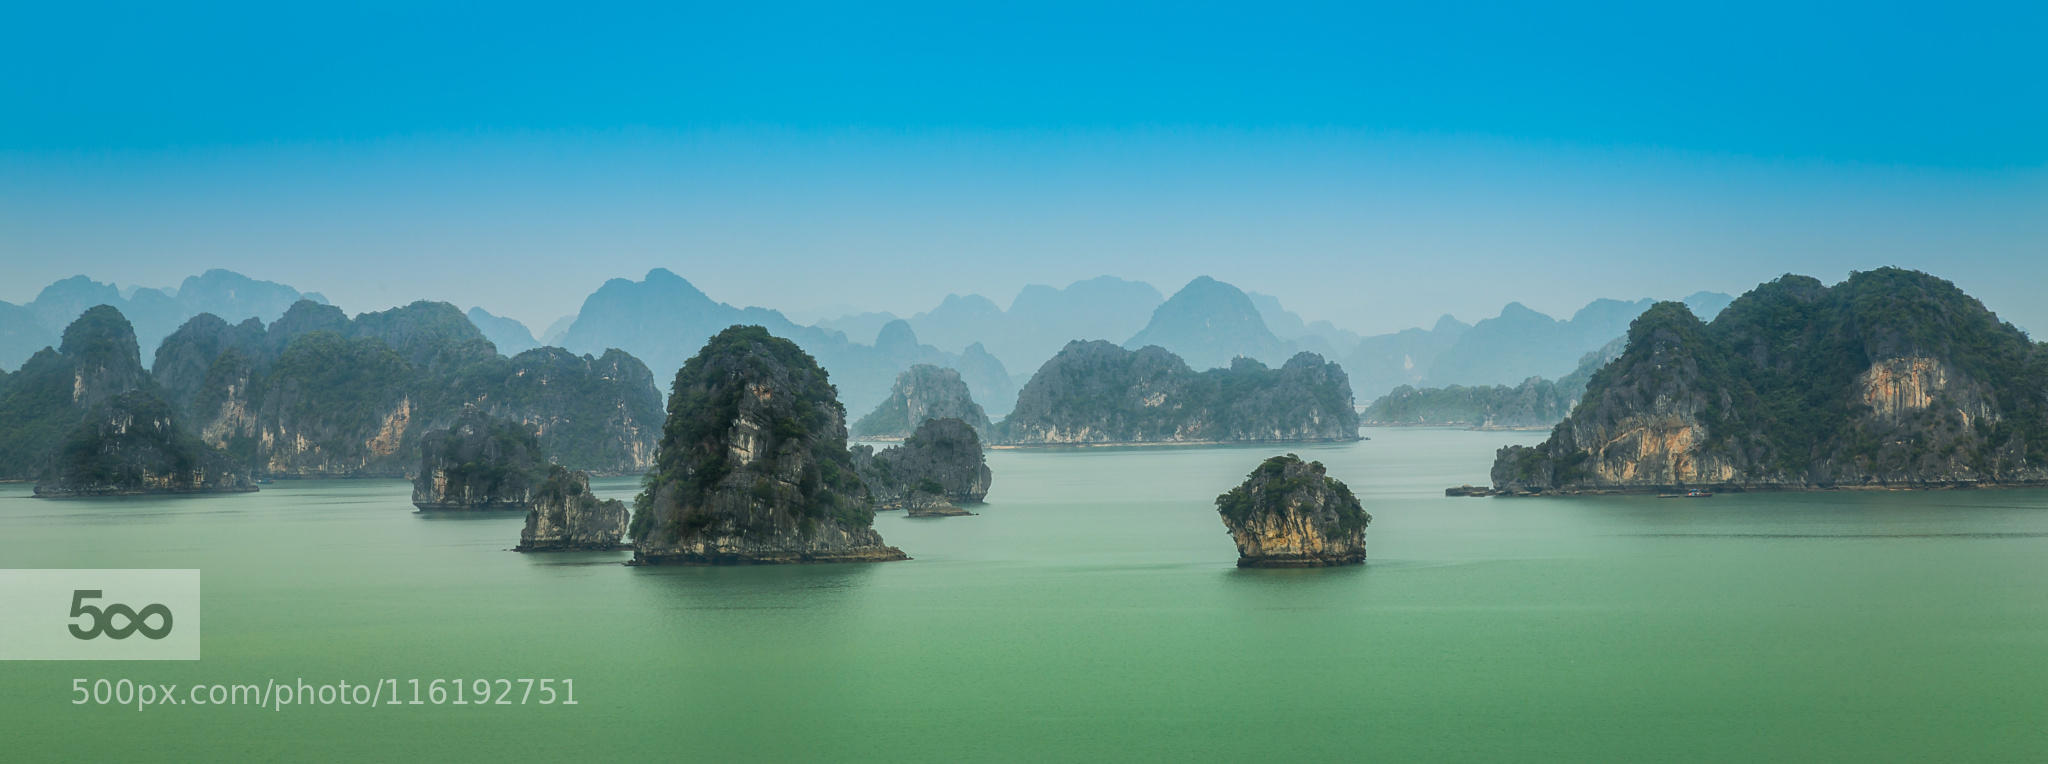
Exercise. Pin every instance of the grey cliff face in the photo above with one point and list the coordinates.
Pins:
(1289, 514)
(565, 516)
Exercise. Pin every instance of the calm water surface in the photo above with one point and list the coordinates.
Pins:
(1092, 610)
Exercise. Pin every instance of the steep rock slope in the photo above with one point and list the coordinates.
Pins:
(566, 517)
(753, 465)
(1891, 378)
(1291, 514)
(943, 459)
(132, 444)
(478, 463)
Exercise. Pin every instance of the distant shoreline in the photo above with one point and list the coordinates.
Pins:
(1464, 427)
(1144, 443)
(1766, 488)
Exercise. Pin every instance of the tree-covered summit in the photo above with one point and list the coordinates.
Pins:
(1892, 377)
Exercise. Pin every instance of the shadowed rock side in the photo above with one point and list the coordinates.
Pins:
(479, 463)
(1098, 393)
(43, 403)
(753, 465)
(131, 444)
(1891, 378)
(922, 393)
(567, 517)
(941, 464)
(1289, 514)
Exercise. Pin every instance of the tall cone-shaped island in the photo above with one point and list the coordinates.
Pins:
(753, 466)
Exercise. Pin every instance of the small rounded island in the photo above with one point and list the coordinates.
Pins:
(1289, 513)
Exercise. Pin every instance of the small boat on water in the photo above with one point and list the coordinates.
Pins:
(1692, 494)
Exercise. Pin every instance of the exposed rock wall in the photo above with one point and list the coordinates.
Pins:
(565, 516)
(1290, 514)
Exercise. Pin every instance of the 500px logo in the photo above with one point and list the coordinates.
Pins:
(99, 615)
(103, 618)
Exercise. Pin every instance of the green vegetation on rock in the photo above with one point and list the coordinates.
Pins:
(318, 394)
(1096, 392)
(132, 443)
(753, 464)
(1291, 513)
(1892, 378)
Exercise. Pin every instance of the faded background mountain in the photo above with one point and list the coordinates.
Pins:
(1506, 370)
(154, 313)
(664, 320)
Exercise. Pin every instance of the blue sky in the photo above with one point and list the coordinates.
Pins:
(1375, 165)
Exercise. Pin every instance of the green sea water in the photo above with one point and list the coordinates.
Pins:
(1092, 611)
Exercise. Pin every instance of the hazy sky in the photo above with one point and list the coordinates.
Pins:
(1374, 166)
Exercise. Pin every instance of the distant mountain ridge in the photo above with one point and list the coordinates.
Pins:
(1536, 401)
(154, 313)
(1505, 350)
(1039, 322)
(1208, 323)
(665, 320)
(1096, 393)
(511, 337)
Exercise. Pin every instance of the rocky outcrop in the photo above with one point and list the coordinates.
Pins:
(132, 444)
(942, 463)
(922, 393)
(479, 463)
(565, 516)
(1095, 393)
(43, 403)
(1290, 514)
(316, 394)
(601, 414)
(919, 503)
(753, 465)
(1892, 378)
